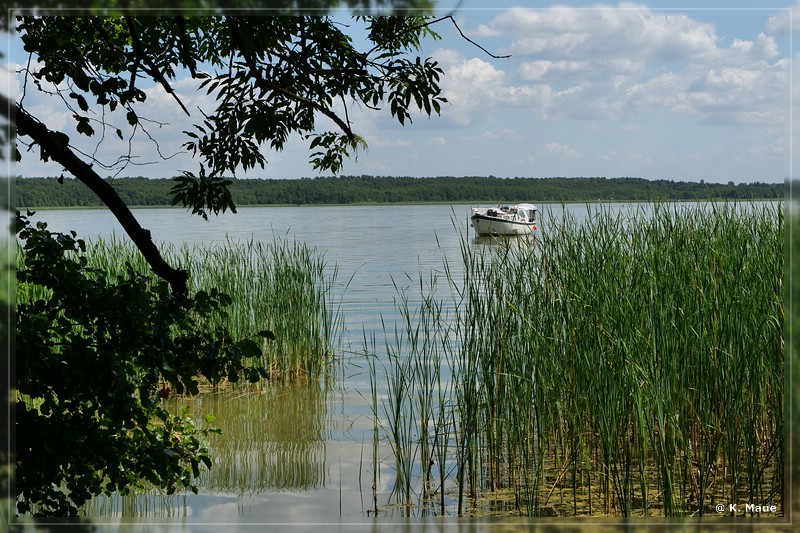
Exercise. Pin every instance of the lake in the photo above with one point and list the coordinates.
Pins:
(304, 454)
(377, 246)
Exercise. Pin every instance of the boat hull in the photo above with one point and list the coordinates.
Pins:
(487, 225)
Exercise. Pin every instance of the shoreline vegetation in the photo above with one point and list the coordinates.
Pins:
(528, 381)
(38, 192)
(575, 396)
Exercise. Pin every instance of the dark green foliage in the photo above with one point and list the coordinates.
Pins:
(202, 193)
(69, 192)
(49, 192)
(271, 77)
(96, 356)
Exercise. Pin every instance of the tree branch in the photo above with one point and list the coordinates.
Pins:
(431, 22)
(149, 66)
(186, 56)
(256, 73)
(59, 151)
(470, 40)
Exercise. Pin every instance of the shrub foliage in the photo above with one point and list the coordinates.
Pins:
(96, 358)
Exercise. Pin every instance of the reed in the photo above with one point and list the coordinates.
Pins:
(792, 344)
(420, 401)
(631, 364)
(7, 262)
(270, 438)
(281, 286)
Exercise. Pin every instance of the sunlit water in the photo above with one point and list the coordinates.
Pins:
(305, 455)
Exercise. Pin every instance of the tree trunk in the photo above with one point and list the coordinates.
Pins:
(59, 151)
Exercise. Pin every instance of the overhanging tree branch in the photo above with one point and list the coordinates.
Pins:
(262, 82)
(59, 151)
(149, 67)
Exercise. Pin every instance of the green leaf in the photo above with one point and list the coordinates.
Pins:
(266, 334)
(206, 460)
(81, 101)
(249, 348)
(84, 127)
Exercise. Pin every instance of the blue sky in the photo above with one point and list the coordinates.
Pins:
(639, 89)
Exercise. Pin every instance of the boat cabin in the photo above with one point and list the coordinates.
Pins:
(526, 212)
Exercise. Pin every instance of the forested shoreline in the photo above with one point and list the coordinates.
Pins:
(65, 192)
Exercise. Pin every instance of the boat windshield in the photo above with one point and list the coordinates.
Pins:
(528, 215)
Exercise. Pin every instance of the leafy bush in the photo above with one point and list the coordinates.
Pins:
(97, 355)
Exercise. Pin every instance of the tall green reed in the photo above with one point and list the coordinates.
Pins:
(632, 361)
(792, 345)
(417, 414)
(285, 287)
(281, 286)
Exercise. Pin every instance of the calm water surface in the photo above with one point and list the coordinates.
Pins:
(377, 249)
(304, 454)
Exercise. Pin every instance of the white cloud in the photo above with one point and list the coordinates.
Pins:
(538, 70)
(470, 84)
(762, 47)
(629, 30)
(561, 151)
(622, 62)
(9, 80)
(381, 142)
(786, 20)
(436, 142)
(506, 134)
(474, 86)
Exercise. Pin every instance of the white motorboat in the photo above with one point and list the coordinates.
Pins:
(518, 219)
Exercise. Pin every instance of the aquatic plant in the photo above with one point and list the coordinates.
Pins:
(631, 364)
(279, 286)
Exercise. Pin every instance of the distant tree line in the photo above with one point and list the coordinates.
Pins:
(58, 192)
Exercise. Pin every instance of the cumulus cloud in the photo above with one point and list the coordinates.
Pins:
(541, 69)
(382, 142)
(583, 34)
(561, 151)
(473, 85)
(9, 81)
(469, 84)
(785, 20)
(506, 134)
(436, 142)
(620, 63)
